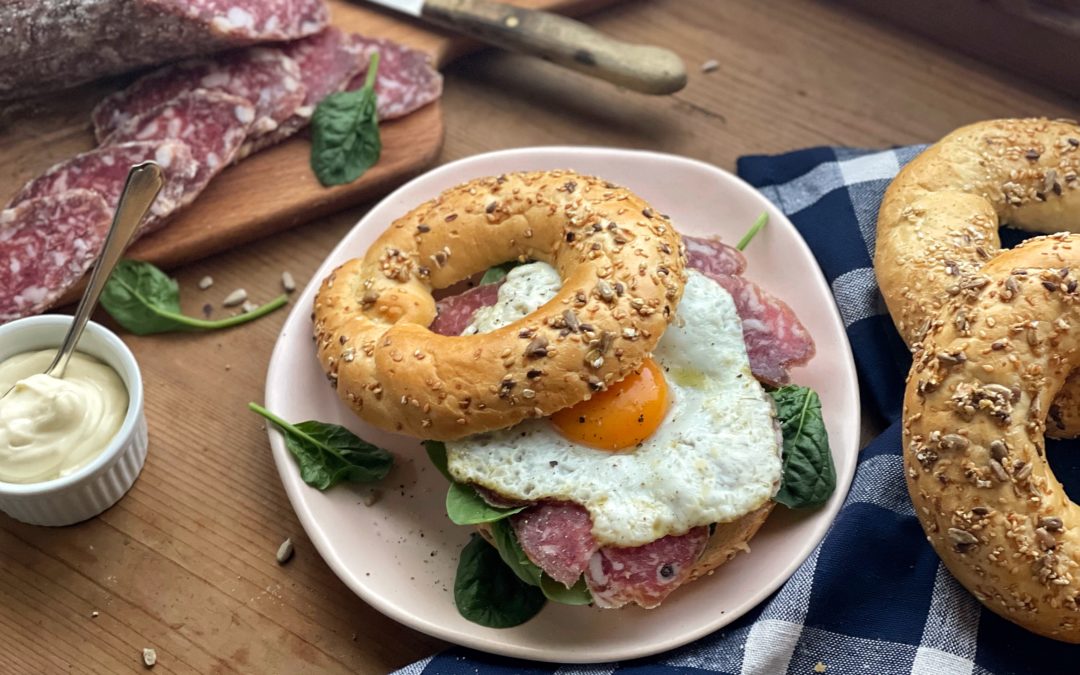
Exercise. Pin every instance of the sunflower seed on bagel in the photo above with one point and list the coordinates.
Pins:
(974, 452)
(622, 266)
(938, 223)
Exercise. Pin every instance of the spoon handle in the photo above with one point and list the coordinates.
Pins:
(143, 183)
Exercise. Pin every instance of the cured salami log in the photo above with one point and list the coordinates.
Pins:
(52, 44)
(212, 124)
(265, 76)
(47, 245)
(406, 80)
(105, 170)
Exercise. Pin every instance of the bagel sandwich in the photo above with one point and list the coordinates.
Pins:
(613, 415)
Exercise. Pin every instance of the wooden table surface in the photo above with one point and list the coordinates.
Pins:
(186, 562)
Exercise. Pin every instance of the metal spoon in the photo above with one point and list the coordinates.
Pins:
(143, 183)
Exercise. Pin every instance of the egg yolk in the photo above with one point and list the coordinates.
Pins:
(621, 416)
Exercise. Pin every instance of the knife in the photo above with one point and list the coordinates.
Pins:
(569, 43)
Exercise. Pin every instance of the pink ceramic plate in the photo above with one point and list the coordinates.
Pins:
(400, 554)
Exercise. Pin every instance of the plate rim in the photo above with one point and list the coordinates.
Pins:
(324, 545)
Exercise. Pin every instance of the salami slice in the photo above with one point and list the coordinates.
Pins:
(644, 574)
(406, 80)
(266, 77)
(48, 45)
(711, 256)
(327, 62)
(557, 536)
(265, 20)
(105, 169)
(456, 312)
(775, 338)
(212, 124)
(47, 245)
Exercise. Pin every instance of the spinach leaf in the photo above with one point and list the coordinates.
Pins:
(809, 474)
(436, 452)
(489, 593)
(328, 453)
(345, 132)
(145, 300)
(754, 229)
(506, 543)
(578, 594)
(498, 272)
(465, 506)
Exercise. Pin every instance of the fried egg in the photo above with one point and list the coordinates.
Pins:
(688, 440)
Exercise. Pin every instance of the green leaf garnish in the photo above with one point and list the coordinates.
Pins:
(145, 300)
(329, 453)
(465, 506)
(345, 138)
(489, 593)
(809, 476)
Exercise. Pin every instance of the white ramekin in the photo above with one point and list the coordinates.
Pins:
(98, 485)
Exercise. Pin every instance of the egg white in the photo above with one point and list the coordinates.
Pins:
(715, 457)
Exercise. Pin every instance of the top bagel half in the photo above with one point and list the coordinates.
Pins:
(622, 268)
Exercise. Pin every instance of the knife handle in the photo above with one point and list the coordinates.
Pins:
(569, 43)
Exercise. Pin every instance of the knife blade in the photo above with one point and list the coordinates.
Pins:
(569, 43)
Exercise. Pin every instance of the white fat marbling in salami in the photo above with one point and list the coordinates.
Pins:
(265, 76)
(644, 574)
(104, 171)
(557, 537)
(47, 245)
(327, 62)
(406, 80)
(712, 256)
(212, 124)
(456, 311)
(52, 44)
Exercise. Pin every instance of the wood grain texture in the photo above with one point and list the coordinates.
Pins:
(185, 563)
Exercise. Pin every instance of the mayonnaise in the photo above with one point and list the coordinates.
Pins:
(50, 427)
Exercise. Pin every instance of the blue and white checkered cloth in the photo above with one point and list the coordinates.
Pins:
(873, 598)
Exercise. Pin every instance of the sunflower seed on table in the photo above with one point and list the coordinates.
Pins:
(248, 307)
(710, 66)
(285, 552)
(206, 282)
(287, 282)
(149, 657)
(371, 497)
(235, 298)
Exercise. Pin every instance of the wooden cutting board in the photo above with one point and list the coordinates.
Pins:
(270, 191)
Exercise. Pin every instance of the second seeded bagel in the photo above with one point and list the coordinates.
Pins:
(938, 223)
(622, 267)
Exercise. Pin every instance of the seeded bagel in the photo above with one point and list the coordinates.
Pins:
(938, 223)
(975, 411)
(622, 268)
